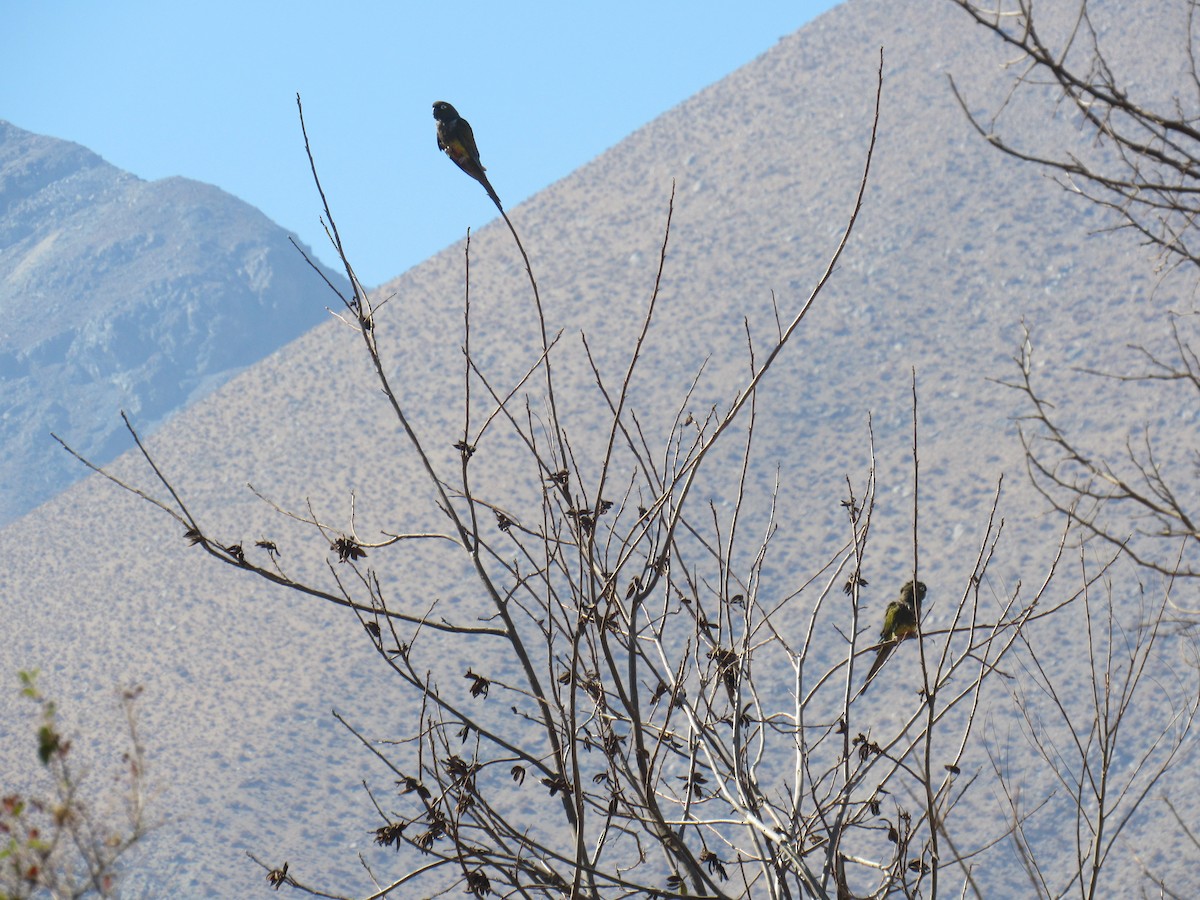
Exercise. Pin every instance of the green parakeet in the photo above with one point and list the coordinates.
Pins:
(899, 622)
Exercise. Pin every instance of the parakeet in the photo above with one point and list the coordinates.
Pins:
(454, 136)
(899, 622)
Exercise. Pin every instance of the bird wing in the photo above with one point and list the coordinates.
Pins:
(467, 137)
(899, 622)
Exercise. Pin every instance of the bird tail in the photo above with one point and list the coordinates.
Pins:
(881, 657)
(491, 192)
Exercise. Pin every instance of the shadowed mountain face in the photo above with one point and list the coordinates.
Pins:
(116, 293)
(957, 246)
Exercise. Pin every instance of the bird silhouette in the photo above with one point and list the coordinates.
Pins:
(457, 140)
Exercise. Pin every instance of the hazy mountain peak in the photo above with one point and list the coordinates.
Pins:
(118, 293)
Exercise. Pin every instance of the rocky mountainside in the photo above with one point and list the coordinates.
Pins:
(121, 294)
(957, 252)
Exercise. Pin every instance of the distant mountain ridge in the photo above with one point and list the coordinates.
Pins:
(117, 293)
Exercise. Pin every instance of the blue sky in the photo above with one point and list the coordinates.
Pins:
(208, 91)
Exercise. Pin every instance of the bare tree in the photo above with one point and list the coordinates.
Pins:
(1143, 166)
(1145, 169)
(632, 709)
(1107, 755)
(1132, 504)
(1151, 177)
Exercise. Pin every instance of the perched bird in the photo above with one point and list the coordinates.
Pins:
(899, 622)
(455, 137)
